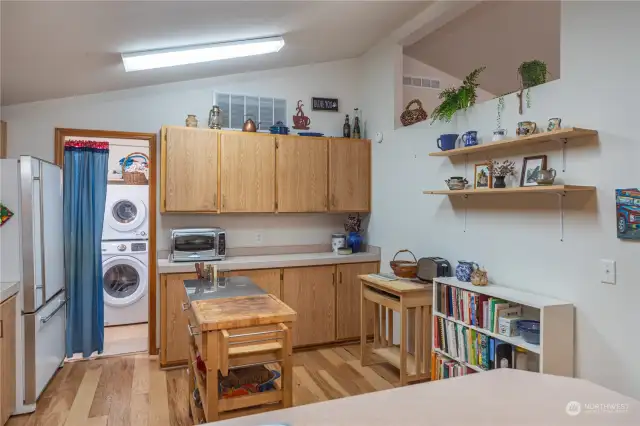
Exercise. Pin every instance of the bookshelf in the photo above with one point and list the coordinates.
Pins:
(544, 189)
(555, 353)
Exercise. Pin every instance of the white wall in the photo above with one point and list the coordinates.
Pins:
(31, 131)
(429, 97)
(517, 238)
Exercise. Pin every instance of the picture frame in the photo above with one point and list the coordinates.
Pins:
(482, 176)
(530, 168)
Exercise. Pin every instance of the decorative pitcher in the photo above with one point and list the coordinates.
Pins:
(470, 138)
(465, 269)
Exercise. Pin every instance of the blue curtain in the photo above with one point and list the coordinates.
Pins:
(85, 192)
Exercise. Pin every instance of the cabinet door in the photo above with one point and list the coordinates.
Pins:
(190, 170)
(247, 172)
(349, 175)
(302, 174)
(7, 358)
(266, 279)
(311, 293)
(174, 338)
(348, 299)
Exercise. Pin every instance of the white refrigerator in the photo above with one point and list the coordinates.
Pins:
(32, 253)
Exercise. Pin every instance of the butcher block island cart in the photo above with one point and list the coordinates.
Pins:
(237, 331)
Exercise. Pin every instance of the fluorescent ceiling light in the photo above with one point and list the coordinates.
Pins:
(160, 58)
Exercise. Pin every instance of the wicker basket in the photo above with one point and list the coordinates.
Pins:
(134, 178)
(413, 116)
(404, 268)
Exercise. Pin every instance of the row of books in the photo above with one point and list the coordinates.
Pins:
(475, 309)
(471, 346)
(443, 368)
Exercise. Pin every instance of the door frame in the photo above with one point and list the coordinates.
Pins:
(60, 134)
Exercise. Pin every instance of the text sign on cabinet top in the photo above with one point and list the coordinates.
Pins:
(324, 104)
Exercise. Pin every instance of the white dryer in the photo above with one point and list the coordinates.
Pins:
(125, 282)
(126, 213)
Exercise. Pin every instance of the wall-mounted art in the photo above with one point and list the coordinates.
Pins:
(5, 214)
(628, 213)
(324, 104)
(301, 121)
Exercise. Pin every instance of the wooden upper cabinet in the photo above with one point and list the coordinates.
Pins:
(189, 170)
(247, 172)
(302, 174)
(349, 175)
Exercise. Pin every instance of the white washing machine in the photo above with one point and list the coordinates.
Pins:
(126, 215)
(125, 282)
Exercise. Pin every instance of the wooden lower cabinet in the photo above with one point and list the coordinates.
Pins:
(348, 299)
(174, 338)
(266, 279)
(7, 358)
(311, 292)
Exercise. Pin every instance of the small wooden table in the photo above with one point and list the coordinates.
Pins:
(233, 333)
(410, 300)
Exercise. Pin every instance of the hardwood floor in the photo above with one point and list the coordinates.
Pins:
(133, 391)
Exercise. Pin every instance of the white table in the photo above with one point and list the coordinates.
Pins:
(500, 397)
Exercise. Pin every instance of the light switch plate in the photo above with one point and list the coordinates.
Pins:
(608, 271)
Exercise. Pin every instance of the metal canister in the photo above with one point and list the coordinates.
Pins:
(338, 241)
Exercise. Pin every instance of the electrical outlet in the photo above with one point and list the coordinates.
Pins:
(259, 238)
(607, 271)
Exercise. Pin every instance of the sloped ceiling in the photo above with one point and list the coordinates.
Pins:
(53, 49)
(498, 34)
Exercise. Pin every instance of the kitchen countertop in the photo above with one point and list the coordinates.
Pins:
(516, 397)
(270, 261)
(8, 289)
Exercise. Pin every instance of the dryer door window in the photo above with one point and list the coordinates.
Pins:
(125, 215)
(124, 211)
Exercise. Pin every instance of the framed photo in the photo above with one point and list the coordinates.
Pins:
(481, 176)
(531, 166)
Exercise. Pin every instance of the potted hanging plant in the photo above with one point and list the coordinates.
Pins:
(532, 73)
(455, 99)
(500, 171)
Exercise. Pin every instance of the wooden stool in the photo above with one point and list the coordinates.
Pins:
(405, 297)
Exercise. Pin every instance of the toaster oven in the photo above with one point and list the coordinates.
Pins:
(197, 244)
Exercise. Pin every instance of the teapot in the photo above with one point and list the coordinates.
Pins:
(546, 177)
(249, 126)
(456, 183)
(465, 269)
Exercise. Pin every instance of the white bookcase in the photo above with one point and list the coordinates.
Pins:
(556, 324)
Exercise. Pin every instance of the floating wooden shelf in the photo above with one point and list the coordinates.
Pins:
(554, 189)
(561, 134)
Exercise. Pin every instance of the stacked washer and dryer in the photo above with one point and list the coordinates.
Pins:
(125, 243)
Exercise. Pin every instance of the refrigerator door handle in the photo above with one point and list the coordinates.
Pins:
(46, 319)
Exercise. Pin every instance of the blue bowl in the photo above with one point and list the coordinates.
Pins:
(530, 331)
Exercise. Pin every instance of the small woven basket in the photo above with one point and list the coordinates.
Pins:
(404, 268)
(413, 116)
(134, 178)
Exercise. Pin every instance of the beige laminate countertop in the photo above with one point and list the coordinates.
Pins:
(270, 261)
(8, 289)
(503, 397)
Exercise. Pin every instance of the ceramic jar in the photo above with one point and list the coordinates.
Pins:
(464, 270)
(470, 138)
(191, 121)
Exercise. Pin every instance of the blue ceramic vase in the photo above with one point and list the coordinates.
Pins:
(464, 270)
(354, 241)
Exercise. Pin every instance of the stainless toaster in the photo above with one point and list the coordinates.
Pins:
(432, 267)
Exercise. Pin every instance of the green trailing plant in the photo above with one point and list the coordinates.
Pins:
(456, 99)
(500, 109)
(532, 73)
